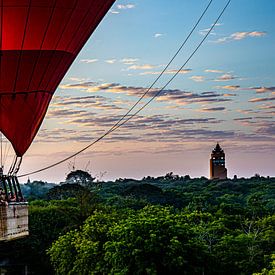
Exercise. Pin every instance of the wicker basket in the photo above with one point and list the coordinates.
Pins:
(13, 221)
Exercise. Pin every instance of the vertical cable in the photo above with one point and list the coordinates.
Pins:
(12, 165)
(18, 164)
(1, 139)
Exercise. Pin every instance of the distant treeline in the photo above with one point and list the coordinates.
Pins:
(165, 225)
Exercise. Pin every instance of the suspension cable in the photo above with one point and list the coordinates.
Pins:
(1, 139)
(17, 167)
(12, 165)
(119, 123)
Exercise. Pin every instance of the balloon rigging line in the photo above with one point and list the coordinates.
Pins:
(1, 137)
(3, 151)
(119, 123)
(7, 150)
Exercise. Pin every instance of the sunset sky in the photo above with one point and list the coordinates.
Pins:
(225, 93)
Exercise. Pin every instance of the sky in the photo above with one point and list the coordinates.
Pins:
(224, 94)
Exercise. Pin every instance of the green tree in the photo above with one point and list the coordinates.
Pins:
(268, 271)
(153, 240)
(81, 252)
(81, 177)
(47, 222)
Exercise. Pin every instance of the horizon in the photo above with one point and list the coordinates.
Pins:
(159, 176)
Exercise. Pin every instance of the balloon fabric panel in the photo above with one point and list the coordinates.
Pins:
(39, 40)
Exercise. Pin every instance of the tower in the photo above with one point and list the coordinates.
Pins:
(217, 164)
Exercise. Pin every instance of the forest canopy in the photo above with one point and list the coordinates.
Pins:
(166, 225)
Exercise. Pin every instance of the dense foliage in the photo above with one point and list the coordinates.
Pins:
(80, 177)
(162, 240)
(164, 225)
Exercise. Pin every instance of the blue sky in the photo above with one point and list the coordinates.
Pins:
(226, 93)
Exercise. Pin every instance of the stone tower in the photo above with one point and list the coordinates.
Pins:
(217, 164)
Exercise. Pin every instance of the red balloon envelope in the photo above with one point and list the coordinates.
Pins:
(39, 39)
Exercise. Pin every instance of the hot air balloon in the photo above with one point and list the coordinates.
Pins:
(39, 40)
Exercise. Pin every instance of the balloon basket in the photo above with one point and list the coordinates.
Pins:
(13, 210)
(13, 221)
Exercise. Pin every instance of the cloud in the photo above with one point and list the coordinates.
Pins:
(157, 35)
(229, 94)
(230, 87)
(56, 135)
(64, 113)
(88, 60)
(178, 96)
(213, 71)
(142, 67)
(183, 71)
(267, 130)
(205, 31)
(214, 109)
(263, 89)
(125, 7)
(114, 11)
(240, 36)
(206, 134)
(157, 126)
(225, 77)
(197, 78)
(243, 118)
(261, 99)
(268, 107)
(248, 111)
(77, 79)
(95, 121)
(122, 7)
(93, 102)
(110, 61)
(108, 87)
(183, 97)
(129, 61)
(78, 86)
(238, 87)
(257, 122)
(262, 128)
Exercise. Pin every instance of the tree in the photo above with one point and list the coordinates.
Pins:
(153, 240)
(65, 191)
(47, 221)
(81, 252)
(270, 271)
(80, 177)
